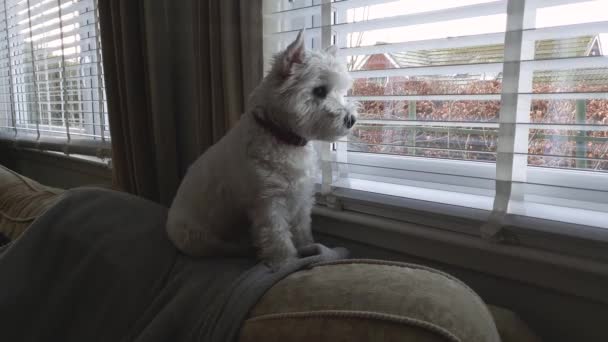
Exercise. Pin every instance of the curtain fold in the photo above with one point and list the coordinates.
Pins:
(177, 76)
(228, 39)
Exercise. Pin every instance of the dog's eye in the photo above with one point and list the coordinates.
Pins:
(320, 92)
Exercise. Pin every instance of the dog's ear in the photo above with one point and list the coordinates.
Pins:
(294, 54)
(332, 50)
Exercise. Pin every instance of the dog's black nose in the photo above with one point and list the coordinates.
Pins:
(349, 121)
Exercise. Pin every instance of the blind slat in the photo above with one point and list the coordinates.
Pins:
(439, 97)
(481, 97)
(566, 63)
(463, 12)
(444, 43)
(433, 70)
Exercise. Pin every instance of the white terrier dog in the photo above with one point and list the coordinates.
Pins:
(254, 188)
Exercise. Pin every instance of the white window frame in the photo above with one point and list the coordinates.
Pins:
(351, 202)
(91, 138)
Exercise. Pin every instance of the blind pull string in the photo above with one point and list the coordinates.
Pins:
(64, 112)
(35, 74)
(10, 74)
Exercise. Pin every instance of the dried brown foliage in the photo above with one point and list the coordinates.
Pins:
(546, 147)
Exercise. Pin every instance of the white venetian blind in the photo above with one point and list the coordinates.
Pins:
(496, 107)
(51, 78)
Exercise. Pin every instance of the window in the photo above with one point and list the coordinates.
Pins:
(51, 77)
(494, 110)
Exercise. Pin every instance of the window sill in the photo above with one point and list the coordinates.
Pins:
(95, 161)
(101, 150)
(581, 276)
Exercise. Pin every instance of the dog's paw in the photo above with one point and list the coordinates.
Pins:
(277, 255)
(276, 263)
(279, 260)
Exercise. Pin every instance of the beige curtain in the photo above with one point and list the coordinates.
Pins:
(177, 76)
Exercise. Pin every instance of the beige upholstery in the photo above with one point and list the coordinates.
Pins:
(370, 300)
(354, 300)
(22, 200)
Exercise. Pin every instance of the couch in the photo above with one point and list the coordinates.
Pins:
(344, 300)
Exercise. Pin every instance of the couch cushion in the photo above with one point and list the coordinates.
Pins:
(370, 300)
(22, 200)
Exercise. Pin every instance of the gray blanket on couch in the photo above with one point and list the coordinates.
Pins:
(98, 266)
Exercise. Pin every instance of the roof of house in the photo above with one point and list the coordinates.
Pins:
(544, 49)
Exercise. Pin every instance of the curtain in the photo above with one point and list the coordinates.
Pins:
(177, 75)
(220, 75)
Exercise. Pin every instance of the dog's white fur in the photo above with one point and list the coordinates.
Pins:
(251, 190)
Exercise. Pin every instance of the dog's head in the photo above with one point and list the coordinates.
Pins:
(305, 92)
